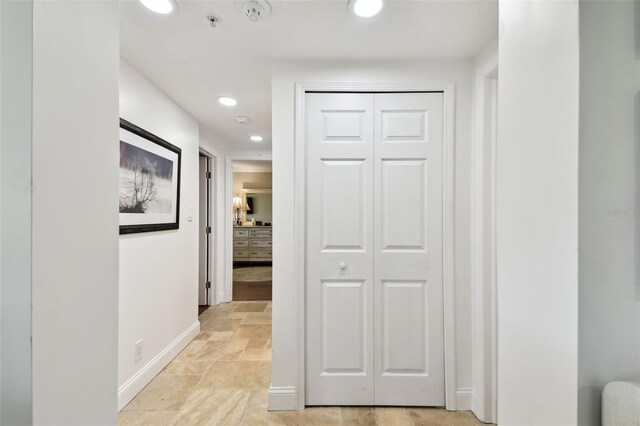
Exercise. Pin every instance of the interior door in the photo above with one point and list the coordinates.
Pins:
(408, 312)
(203, 232)
(374, 249)
(340, 249)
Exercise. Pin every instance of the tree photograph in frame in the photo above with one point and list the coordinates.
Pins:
(149, 187)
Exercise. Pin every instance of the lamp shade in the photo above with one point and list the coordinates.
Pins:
(237, 202)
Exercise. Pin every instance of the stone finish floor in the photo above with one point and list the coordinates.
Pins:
(222, 378)
(252, 273)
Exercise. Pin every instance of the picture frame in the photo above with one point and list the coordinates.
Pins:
(149, 185)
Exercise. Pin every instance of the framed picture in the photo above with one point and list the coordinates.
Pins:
(149, 181)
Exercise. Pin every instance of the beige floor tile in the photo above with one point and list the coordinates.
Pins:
(165, 392)
(259, 399)
(226, 350)
(254, 331)
(257, 318)
(204, 335)
(392, 417)
(237, 374)
(220, 335)
(251, 307)
(189, 368)
(441, 417)
(190, 351)
(316, 416)
(358, 416)
(238, 315)
(263, 354)
(145, 418)
(220, 324)
(258, 343)
(213, 407)
(221, 310)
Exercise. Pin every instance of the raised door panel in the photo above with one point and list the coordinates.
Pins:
(344, 126)
(404, 125)
(343, 186)
(343, 326)
(404, 322)
(403, 198)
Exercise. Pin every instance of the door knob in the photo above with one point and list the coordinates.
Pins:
(343, 266)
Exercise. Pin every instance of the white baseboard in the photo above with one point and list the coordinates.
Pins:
(283, 399)
(286, 399)
(135, 384)
(464, 397)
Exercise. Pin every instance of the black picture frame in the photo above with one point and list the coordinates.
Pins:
(153, 227)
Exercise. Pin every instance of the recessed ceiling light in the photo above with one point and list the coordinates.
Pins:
(226, 101)
(366, 8)
(163, 7)
(256, 138)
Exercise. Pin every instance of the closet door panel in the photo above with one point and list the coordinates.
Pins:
(339, 280)
(408, 306)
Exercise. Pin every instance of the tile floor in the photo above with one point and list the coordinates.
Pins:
(222, 378)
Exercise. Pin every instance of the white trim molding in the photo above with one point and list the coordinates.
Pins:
(142, 378)
(464, 398)
(448, 90)
(282, 398)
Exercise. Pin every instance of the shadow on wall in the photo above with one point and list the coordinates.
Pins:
(609, 204)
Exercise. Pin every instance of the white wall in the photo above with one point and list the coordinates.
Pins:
(284, 76)
(251, 180)
(158, 270)
(75, 220)
(16, 53)
(537, 213)
(609, 125)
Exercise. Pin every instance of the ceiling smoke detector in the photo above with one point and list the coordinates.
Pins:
(254, 10)
(213, 20)
(242, 119)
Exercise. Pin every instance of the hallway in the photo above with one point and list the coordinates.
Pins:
(223, 377)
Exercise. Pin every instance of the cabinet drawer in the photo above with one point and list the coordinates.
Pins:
(240, 253)
(261, 243)
(261, 233)
(240, 233)
(255, 253)
(241, 243)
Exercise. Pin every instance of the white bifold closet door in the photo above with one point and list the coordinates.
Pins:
(374, 326)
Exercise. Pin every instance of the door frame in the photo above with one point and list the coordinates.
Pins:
(213, 238)
(227, 294)
(448, 90)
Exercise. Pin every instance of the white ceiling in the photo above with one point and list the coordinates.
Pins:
(195, 64)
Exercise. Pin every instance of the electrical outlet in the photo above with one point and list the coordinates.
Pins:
(138, 349)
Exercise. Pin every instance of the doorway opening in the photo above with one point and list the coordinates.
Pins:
(205, 229)
(252, 235)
